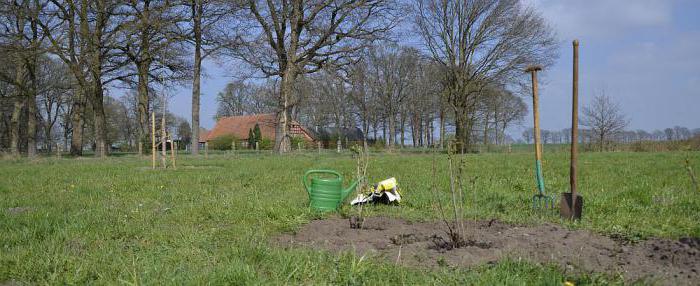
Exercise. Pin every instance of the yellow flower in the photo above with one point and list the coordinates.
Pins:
(569, 283)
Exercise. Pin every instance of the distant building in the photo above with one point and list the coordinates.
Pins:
(203, 134)
(348, 136)
(240, 126)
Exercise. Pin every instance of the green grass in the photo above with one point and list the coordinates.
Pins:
(115, 221)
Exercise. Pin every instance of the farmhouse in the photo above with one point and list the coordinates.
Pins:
(239, 126)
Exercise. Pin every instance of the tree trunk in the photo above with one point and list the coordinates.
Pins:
(384, 138)
(375, 126)
(76, 118)
(461, 131)
(392, 129)
(429, 134)
(143, 102)
(421, 132)
(486, 132)
(33, 88)
(414, 130)
(100, 120)
(197, 26)
(282, 142)
(14, 126)
(442, 128)
(403, 130)
(47, 132)
(31, 123)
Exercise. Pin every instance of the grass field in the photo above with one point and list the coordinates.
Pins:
(116, 221)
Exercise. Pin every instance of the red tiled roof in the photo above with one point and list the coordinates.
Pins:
(203, 134)
(239, 126)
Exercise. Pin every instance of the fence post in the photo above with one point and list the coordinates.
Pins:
(172, 151)
(153, 140)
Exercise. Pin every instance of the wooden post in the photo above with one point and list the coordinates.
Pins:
(172, 151)
(153, 139)
(58, 151)
(536, 114)
(574, 130)
(319, 147)
(140, 148)
(206, 150)
(163, 139)
(257, 146)
(338, 144)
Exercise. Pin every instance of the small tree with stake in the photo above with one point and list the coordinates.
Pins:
(251, 138)
(256, 133)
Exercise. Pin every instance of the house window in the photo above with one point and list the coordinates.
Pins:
(295, 129)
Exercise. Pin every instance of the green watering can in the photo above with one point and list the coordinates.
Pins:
(325, 194)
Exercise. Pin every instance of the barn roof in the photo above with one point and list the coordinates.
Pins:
(203, 134)
(239, 126)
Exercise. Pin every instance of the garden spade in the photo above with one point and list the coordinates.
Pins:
(541, 199)
(571, 204)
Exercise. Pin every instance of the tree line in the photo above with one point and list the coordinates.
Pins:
(604, 123)
(333, 63)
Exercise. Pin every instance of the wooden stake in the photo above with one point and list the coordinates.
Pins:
(58, 151)
(140, 148)
(206, 150)
(153, 140)
(172, 151)
(574, 130)
(319, 147)
(163, 137)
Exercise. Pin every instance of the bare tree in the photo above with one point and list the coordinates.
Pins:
(211, 28)
(481, 42)
(154, 44)
(295, 37)
(233, 100)
(21, 38)
(240, 98)
(604, 118)
(528, 134)
(83, 34)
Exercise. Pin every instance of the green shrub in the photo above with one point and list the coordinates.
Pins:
(296, 141)
(222, 142)
(267, 144)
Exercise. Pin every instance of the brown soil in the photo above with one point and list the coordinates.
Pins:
(658, 261)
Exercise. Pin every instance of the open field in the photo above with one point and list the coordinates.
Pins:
(117, 221)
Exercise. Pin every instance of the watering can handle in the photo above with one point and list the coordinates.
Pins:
(309, 172)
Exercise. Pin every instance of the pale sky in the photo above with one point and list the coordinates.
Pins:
(645, 54)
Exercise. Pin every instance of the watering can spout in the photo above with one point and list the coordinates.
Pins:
(349, 190)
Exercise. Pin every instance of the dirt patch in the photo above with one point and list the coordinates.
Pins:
(19, 210)
(185, 167)
(658, 261)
